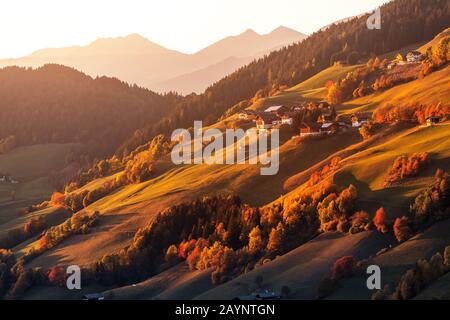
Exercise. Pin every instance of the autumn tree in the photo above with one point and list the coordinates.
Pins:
(402, 230)
(380, 221)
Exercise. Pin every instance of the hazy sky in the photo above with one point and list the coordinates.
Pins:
(183, 25)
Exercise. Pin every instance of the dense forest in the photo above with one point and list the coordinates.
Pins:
(404, 22)
(55, 103)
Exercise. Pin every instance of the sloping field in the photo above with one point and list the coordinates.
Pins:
(367, 169)
(176, 283)
(396, 261)
(30, 166)
(302, 268)
(432, 89)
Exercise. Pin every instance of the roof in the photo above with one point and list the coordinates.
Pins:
(268, 117)
(327, 125)
(310, 125)
(273, 108)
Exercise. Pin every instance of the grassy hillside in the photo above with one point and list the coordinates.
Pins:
(31, 167)
(396, 261)
(177, 283)
(312, 89)
(302, 268)
(432, 89)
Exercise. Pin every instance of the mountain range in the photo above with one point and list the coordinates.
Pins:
(135, 59)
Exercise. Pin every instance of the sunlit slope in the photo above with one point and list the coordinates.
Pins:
(433, 89)
(312, 89)
(175, 283)
(367, 169)
(133, 206)
(302, 268)
(396, 261)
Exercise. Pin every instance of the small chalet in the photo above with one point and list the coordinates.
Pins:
(309, 129)
(433, 120)
(328, 128)
(267, 121)
(413, 56)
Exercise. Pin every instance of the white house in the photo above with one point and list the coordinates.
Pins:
(267, 121)
(274, 109)
(286, 119)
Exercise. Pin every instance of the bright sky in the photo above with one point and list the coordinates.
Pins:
(183, 25)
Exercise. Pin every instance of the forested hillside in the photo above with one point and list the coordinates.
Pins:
(404, 22)
(57, 104)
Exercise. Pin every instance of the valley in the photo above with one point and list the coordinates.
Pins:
(362, 169)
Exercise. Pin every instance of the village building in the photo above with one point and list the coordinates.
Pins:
(328, 128)
(267, 121)
(310, 129)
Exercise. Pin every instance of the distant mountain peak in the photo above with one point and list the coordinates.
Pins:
(282, 30)
(250, 32)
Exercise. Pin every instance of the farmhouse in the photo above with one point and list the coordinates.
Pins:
(267, 121)
(310, 129)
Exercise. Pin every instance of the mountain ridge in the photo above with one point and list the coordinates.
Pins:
(152, 65)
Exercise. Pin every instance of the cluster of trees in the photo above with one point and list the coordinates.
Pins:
(100, 169)
(15, 279)
(15, 236)
(418, 113)
(430, 206)
(406, 166)
(319, 175)
(436, 57)
(433, 204)
(368, 129)
(7, 144)
(418, 278)
(344, 267)
(336, 208)
(79, 223)
(137, 165)
(354, 84)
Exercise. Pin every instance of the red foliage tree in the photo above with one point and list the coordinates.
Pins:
(402, 230)
(343, 267)
(380, 220)
(56, 275)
